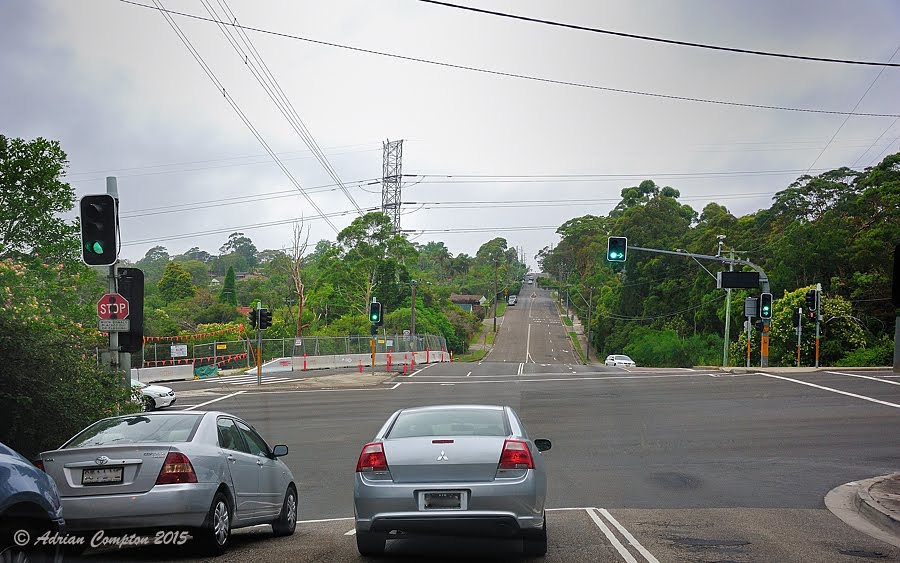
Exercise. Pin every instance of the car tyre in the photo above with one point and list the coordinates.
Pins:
(370, 543)
(215, 536)
(535, 544)
(287, 521)
(149, 404)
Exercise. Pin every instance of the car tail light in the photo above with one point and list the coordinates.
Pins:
(515, 456)
(372, 458)
(39, 463)
(176, 469)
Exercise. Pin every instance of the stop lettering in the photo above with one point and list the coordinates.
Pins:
(112, 306)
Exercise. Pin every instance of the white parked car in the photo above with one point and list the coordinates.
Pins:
(617, 360)
(155, 396)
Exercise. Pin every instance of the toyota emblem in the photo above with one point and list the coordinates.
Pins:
(102, 460)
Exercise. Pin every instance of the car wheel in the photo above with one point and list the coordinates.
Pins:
(370, 543)
(215, 535)
(536, 543)
(286, 523)
(149, 404)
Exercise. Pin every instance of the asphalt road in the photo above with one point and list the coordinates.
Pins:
(647, 464)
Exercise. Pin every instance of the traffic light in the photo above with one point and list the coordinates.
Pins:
(616, 248)
(265, 319)
(375, 314)
(797, 318)
(98, 230)
(812, 300)
(765, 306)
(253, 317)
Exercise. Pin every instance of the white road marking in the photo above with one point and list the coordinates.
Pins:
(636, 544)
(320, 520)
(521, 367)
(265, 380)
(394, 387)
(865, 377)
(351, 532)
(446, 384)
(863, 397)
(528, 344)
(611, 537)
(472, 380)
(215, 400)
(421, 370)
(468, 374)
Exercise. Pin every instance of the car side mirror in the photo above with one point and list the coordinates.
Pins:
(542, 445)
(280, 450)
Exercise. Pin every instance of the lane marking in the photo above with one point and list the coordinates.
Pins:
(421, 370)
(215, 400)
(611, 536)
(528, 344)
(636, 544)
(353, 533)
(446, 384)
(320, 520)
(395, 386)
(865, 377)
(521, 367)
(472, 381)
(468, 374)
(863, 397)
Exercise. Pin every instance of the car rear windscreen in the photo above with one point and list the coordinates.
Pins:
(450, 422)
(139, 428)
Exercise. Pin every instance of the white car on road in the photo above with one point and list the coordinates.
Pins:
(617, 360)
(155, 396)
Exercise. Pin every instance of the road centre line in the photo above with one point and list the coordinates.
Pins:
(351, 532)
(636, 544)
(528, 344)
(865, 377)
(863, 397)
(214, 400)
(611, 536)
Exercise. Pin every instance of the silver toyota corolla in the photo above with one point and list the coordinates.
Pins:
(202, 472)
(466, 470)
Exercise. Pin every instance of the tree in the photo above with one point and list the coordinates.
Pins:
(242, 246)
(298, 252)
(31, 195)
(175, 284)
(229, 292)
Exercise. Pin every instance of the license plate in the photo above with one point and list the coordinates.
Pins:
(101, 476)
(442, 500)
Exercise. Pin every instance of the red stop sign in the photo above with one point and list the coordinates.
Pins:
(112, 306)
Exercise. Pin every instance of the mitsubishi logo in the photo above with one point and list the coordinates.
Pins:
(102, 460)
(442, 457)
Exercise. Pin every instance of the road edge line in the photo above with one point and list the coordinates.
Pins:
(637, 545)
(838, 391)
(623, 551)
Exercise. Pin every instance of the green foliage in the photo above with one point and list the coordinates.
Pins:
(664, 348)
(229, 293)
(175, 284)
(52, 386)
(880, 353)
(32, 193)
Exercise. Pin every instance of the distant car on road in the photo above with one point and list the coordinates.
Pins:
(619, 361)
(459, 470)
(154, 396)
(29, 500)
(207, 472)
(512, 300)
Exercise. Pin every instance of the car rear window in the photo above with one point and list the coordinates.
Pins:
(450, 422)
(140, 428)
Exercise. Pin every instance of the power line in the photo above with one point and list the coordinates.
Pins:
(707, 302)
(211, 75)
(269, 83)
(654, 39)
(517, 75)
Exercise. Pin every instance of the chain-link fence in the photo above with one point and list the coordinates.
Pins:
(240, 353)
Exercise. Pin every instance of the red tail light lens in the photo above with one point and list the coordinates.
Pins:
(515, 456)
(176, 469)
(39, 463)
(372, 458)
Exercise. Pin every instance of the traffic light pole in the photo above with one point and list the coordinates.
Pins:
(113, 278)
(763, 280)
(799, 332)
(258, 345)
(818, 318)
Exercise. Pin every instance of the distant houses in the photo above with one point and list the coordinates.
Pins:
(472, 303)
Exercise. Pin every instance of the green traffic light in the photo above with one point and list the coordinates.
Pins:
(94, 246)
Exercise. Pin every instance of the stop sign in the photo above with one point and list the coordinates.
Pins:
(112, 306)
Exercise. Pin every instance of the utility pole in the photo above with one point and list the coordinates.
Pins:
(412, 312)
(727, 306)
(495, 294)
(799, 332)
(590, 304)
(391, 177)
(818, 317)
(112, 279)
(258, 345)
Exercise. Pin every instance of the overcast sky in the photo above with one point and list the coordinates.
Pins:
(115, 85)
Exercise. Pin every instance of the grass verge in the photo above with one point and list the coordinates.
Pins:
(574, 337)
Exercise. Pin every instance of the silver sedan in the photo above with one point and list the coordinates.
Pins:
(464, 470)
(202, 472)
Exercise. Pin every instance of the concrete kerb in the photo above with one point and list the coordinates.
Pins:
(789, 370)
(869, 503)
